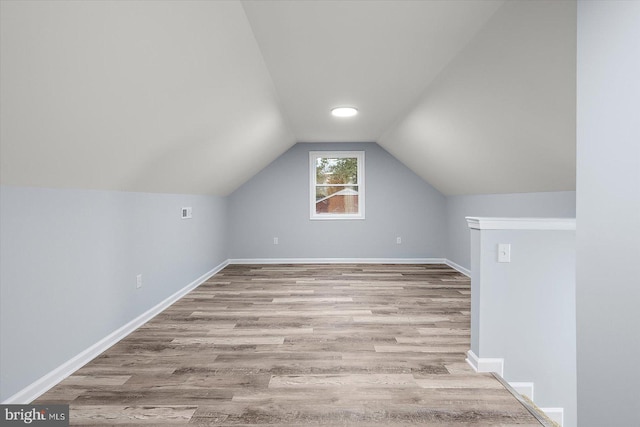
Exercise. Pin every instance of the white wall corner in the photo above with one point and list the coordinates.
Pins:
(523, 388)
(47, 381)
(485, 364)
(458, 267)
(555, 414)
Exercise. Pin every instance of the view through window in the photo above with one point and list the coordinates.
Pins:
(337, 184)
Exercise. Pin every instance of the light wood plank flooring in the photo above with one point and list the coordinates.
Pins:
(299, 345)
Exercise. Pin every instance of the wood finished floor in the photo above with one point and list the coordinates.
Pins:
(299, 345)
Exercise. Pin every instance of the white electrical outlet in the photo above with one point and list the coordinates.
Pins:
(138, 281)
(275, 240)
(398, 240)
(504, 252)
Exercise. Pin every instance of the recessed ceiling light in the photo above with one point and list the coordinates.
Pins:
(344, 112)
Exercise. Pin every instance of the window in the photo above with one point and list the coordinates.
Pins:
(337, 184)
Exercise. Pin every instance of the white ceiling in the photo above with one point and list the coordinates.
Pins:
(152, 96)
(500, 118)
(197, 97)
(376, 55)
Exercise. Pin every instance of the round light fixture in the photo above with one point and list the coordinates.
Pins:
(344, 112)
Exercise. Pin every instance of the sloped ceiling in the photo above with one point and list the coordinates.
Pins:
(500, 118)
(154, 96)
(196, 97)
(377, 55)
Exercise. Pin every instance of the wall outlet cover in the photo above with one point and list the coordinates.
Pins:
(504, 252)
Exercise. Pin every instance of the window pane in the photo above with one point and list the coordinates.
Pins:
(326, 191)
(337, 170)
(337, 200)
(337, 185)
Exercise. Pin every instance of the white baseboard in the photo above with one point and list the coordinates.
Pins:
(525, 389)
(40, 386)
(485, 364)
(555, 414)
(337, 261)
(458, 267)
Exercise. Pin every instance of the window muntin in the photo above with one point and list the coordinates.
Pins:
(337, 184)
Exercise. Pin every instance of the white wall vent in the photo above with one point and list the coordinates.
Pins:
(186, 213)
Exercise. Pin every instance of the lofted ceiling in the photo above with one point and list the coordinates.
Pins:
(197, 97)
(377, 55)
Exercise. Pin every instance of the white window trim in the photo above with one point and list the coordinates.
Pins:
(313, 156)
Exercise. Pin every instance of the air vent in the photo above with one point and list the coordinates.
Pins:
(186, 213)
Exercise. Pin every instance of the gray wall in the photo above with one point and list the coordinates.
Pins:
(69, 263)
(275, 203)
(608, 213)
(524, 311)
(558, 204)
